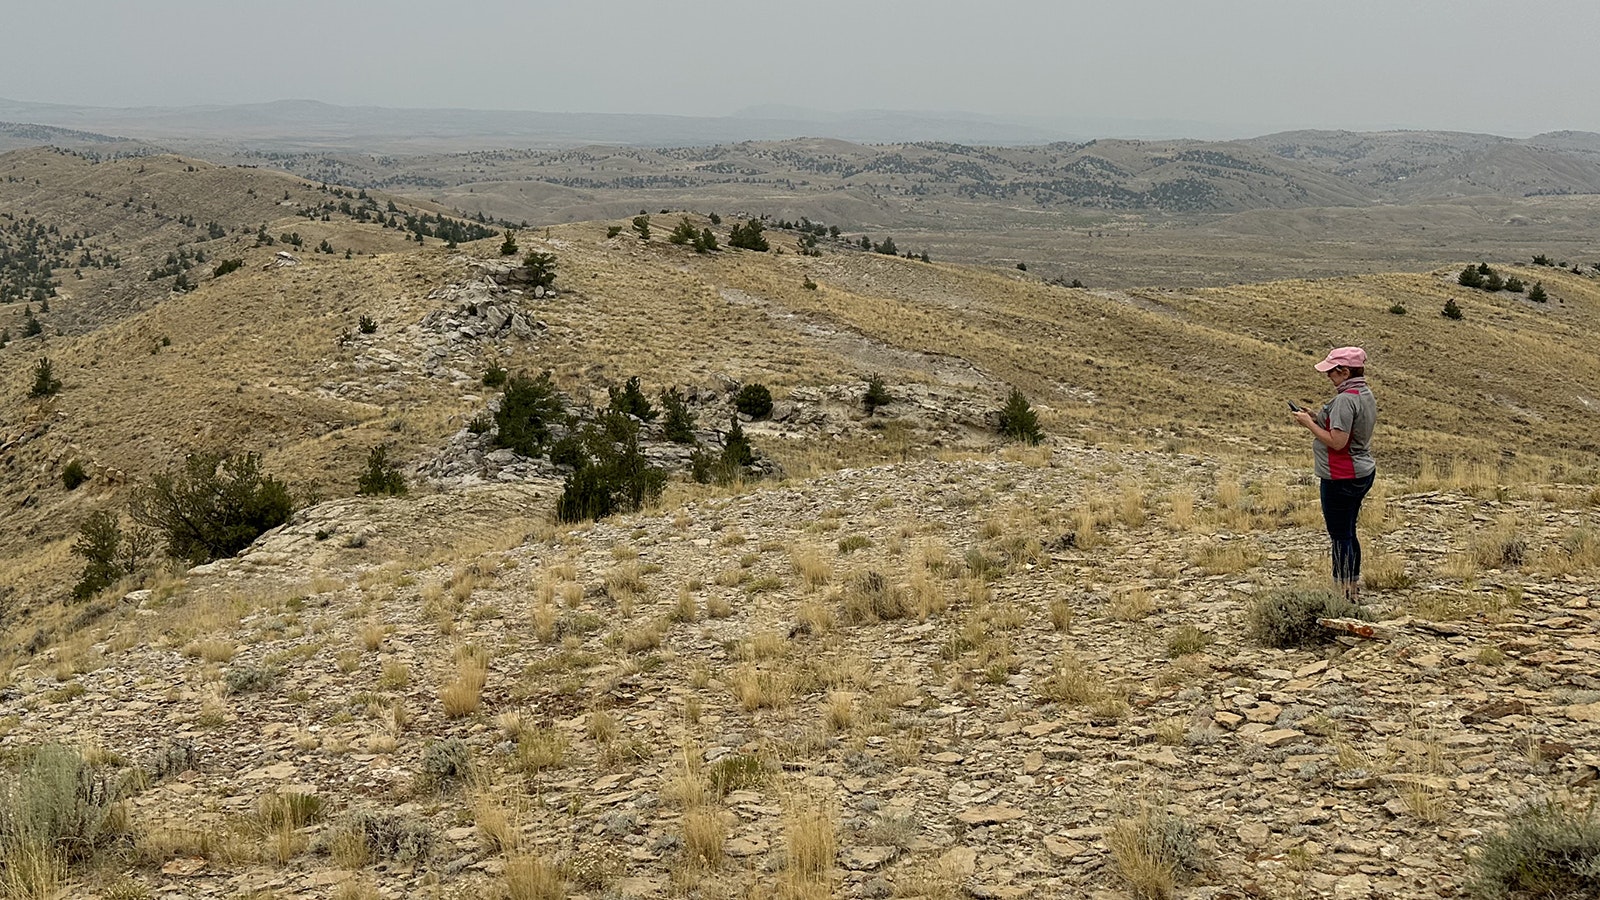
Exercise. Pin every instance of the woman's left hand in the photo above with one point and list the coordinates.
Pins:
(1302, 418)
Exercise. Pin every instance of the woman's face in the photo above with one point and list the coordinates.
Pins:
(1337, 375)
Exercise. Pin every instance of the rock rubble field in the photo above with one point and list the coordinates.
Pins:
(945, 678)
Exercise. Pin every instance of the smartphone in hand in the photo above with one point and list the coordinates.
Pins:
(1292, 407)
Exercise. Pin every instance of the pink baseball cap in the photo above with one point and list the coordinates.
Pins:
(1348, 357)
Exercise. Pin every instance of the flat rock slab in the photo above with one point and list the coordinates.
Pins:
(1587, 712)
(989, 815)
(865, 859)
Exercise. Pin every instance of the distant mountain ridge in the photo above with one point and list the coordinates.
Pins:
(1294, 170)
(965, 157)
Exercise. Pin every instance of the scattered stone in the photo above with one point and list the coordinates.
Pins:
(989, 815)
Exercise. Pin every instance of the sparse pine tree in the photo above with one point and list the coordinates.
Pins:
(1515, 285)
(1537, 294)
(528, 409)
(1470, 277)
(381, 476)
(684, 233)
(630, 400)
(887, 248)
(876, 395)
(212, 507)
(748, 237)
(609, 474)
(706, 242)
(754, 400)
(1451, 309)
(678, 424)
(541, 268)
(736, 449)
(108, 554)
(73, 475)
(1018, 421)
(508, 247)
(45, 383)
(1493, 282)
(641, 226)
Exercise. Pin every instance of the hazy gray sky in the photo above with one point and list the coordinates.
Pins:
(1513, 68)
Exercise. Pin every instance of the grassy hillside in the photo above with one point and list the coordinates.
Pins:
(253, 361)
(917, 665)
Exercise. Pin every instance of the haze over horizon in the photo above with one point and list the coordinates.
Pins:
(1237, 67)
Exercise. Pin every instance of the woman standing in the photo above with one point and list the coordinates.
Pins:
(1343, 432)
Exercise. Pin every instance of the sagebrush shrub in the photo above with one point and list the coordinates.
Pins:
(58, 803)
(1154, 850)
(386, 835)
(447, 760)
(1288, 617)
(1548, 849)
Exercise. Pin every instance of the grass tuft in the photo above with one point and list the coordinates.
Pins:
(1153, 850)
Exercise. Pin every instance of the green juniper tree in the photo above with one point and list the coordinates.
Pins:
(541, 268)
(529, 407)
(381, 476)
(1018, 421)
(212, 506)
(678, 424)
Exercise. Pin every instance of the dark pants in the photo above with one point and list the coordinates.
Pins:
(1341, 505)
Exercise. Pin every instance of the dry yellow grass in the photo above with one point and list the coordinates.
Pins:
(839, 711)
(1131, 604)
(498, 821)
(811, 566)
(460, 697)
(760, 688)
(530, 877)
(812, 840)
(1227, 557)
(704, 835)
(214, 651)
